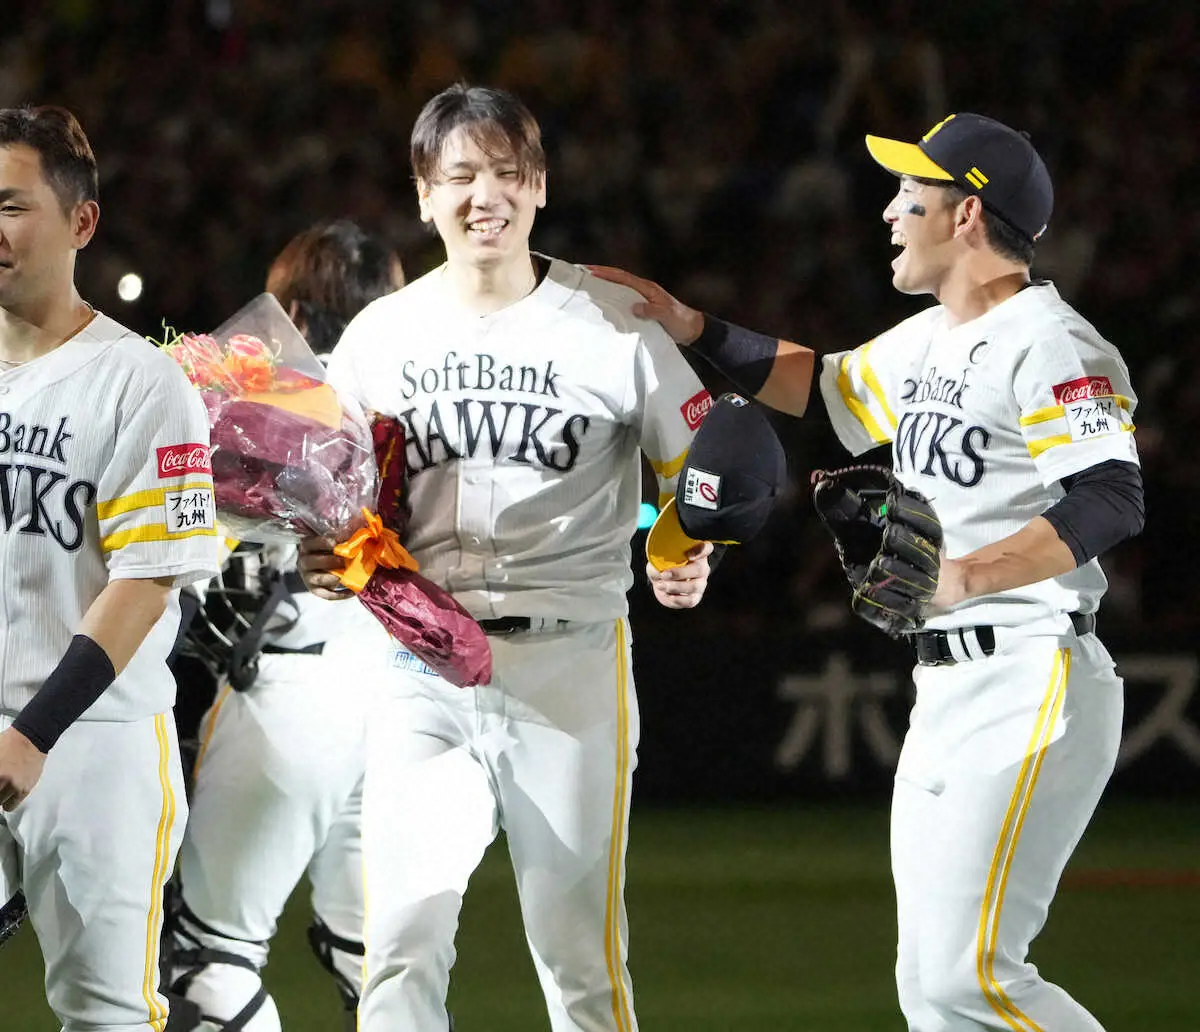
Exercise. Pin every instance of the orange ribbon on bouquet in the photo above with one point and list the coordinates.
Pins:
(374, 545)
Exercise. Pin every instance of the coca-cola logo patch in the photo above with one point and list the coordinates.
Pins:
(1081, 389)
(181, 460)
(695, 409)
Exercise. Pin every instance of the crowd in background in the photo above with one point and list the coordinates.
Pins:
(715, 146)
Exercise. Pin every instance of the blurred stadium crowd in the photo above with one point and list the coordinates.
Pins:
(716, 146)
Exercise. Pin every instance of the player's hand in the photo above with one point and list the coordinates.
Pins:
(315, 562)
(682, 323)
(682, 587)
(21, 764)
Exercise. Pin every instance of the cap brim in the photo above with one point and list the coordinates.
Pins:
(905, 159)
(667, 544)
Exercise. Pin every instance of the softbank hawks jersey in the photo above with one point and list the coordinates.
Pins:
(104, 474)
(523, 434)
(985, 419)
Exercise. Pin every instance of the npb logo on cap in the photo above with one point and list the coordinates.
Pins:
(702, 489)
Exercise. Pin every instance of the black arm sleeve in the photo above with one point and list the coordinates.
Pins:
(744, 356)
(80, 678)
(1103, 506)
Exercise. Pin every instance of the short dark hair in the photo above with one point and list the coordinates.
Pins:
(494, 119)
(67, 159)
(330, 272)
(1003, 237)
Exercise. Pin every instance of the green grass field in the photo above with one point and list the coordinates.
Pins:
(780, 920)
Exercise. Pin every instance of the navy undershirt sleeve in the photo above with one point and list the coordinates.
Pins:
(1103, 506)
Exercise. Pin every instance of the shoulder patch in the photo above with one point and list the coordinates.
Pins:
(1089, 407)
(1082, 389)
(181, 460)
(696, 408)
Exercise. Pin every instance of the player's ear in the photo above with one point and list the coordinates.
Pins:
(84, 218)
(969, 215)
(297, 318)
(540, 191)
(423, 200)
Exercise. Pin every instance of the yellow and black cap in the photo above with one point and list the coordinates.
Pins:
(734, 471)
(984, 157)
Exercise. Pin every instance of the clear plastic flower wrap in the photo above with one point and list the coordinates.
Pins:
(291, 458)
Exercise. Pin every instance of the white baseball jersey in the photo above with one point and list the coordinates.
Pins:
(985, 419)
(523, 429)
(104, 474)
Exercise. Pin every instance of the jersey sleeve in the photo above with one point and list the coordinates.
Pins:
(861, 388)
(154, 499)
(1076, 404)
(670, 403)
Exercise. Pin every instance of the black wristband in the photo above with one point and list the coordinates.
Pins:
(744, 356)
(79, 680)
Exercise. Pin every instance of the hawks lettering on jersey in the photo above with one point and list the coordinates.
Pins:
(523, 431)
(37, 495)
(932, 441)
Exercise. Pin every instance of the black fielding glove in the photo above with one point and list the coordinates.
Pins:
(888, 541)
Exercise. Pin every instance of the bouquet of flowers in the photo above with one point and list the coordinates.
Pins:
(291, 458)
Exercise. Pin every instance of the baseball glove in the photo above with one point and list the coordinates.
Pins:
(888, 540)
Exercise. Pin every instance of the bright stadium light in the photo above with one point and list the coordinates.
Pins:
(129, 287)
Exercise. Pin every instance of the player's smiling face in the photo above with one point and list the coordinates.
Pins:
(38, 240)
(482, 208)
(922, 226)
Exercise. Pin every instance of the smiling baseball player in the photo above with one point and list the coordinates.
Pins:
(106, 508)
(527, 388)
(1011, 413)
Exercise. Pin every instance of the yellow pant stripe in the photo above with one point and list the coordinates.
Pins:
(363, 972)
(612, 906)
(213, 714)
(1006, 846)
(158, 1013)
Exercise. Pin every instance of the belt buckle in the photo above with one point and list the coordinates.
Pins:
(505, 625)
(930, 651)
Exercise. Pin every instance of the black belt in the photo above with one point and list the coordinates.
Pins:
(936, 648)
(308, 650)
(512, 624)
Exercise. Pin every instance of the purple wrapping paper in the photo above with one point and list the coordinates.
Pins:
(430, 624)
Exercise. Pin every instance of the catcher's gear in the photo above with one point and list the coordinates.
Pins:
(12, 914)
(888, 539)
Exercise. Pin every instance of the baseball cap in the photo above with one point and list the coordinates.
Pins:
(734, 471)
(984, 157)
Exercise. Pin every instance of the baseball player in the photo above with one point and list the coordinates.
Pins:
(277, 786)
(106, 509)
(1012, 413)
(526, 388)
